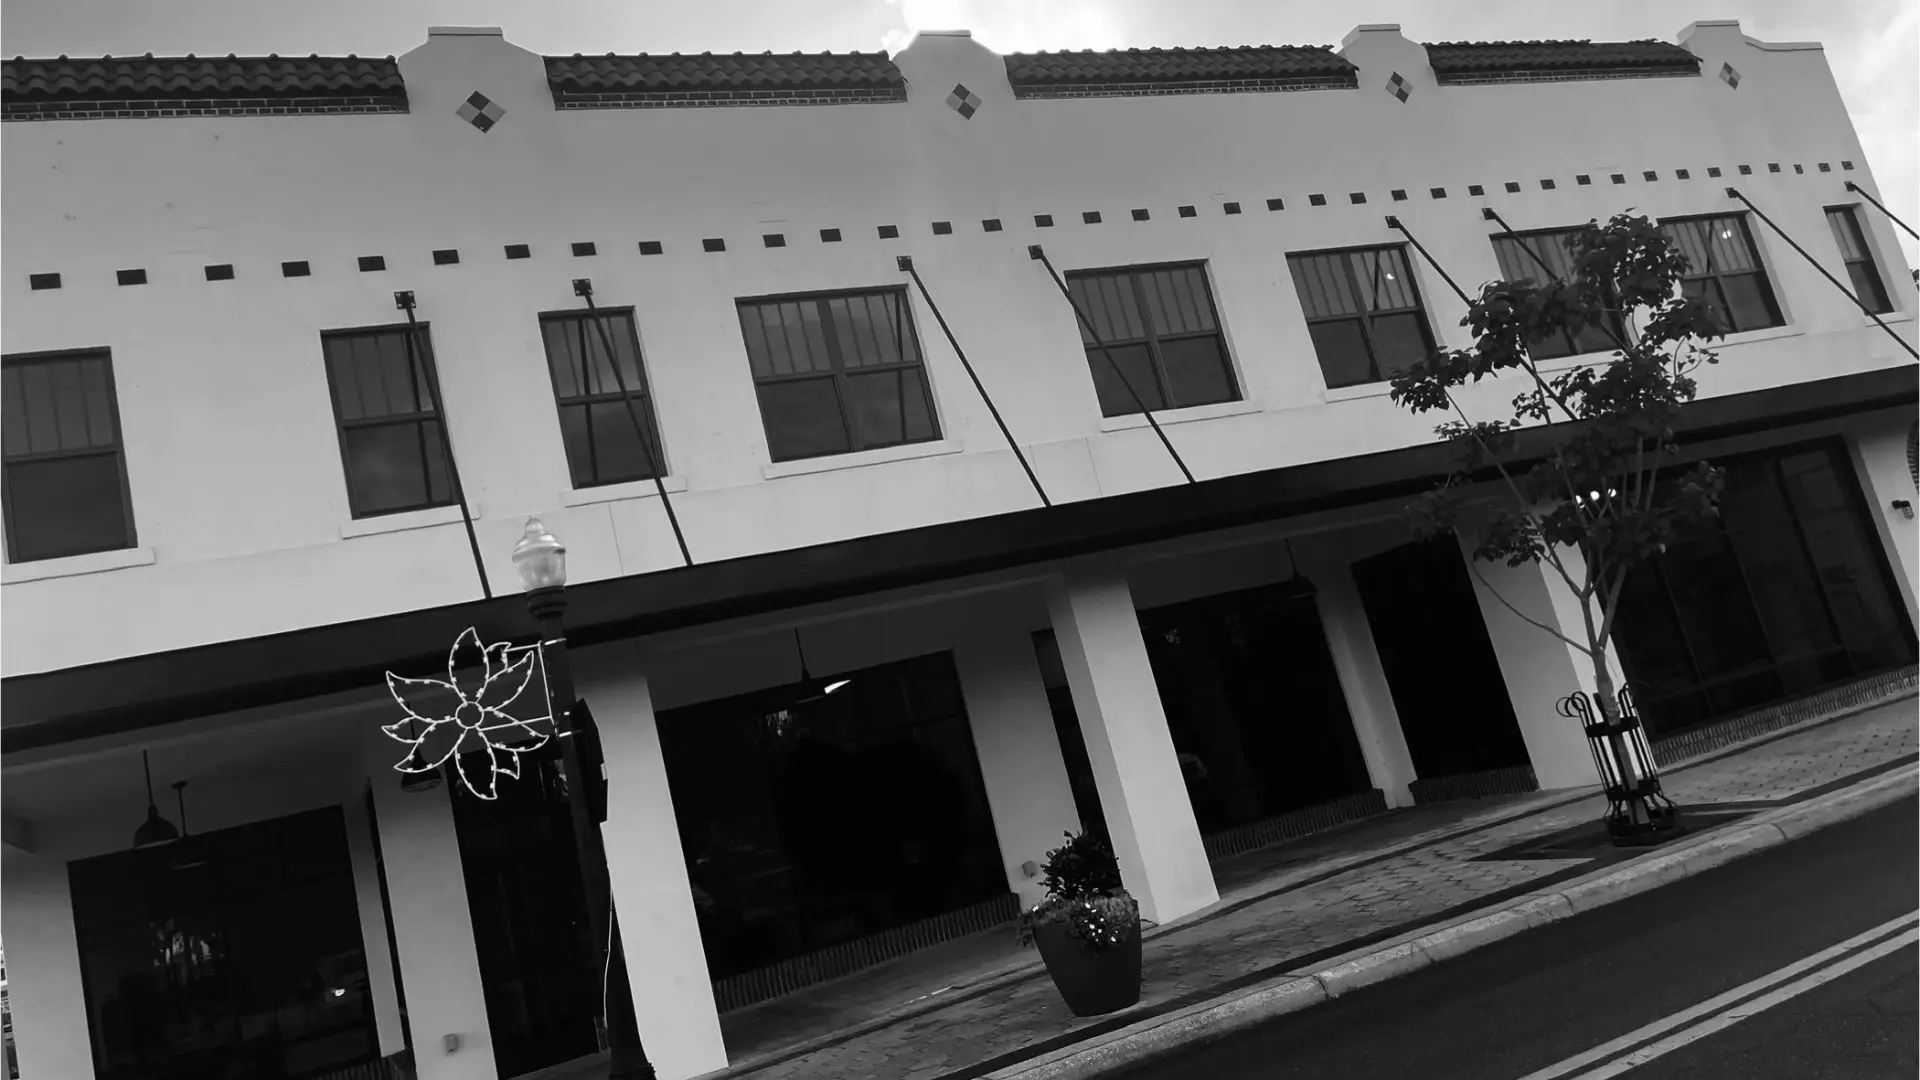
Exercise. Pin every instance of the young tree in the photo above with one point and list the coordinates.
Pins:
(1582, 463)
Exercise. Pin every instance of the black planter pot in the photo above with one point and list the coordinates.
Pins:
(1091, 982)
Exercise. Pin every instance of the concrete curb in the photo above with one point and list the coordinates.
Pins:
(1161, 1036)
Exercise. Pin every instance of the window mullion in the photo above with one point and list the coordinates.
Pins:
(1155, 360)
(1345, 262)
(586, 411)
(836, 368)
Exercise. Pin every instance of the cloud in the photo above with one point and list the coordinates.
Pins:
(1015, 25)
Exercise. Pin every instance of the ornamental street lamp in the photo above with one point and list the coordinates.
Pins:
(542, 563)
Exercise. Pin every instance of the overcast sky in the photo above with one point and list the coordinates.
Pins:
(1873, 45)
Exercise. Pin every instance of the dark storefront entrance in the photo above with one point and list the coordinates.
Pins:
(813, 819)
(1448, 690)
(1253, 703)
(529, 909)
(1786, 592)
(230, 955)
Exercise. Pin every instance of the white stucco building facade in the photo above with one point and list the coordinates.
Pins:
(217, 246)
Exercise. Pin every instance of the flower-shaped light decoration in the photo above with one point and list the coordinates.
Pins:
(465, 716)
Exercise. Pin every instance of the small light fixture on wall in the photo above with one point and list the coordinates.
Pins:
(1905, 508)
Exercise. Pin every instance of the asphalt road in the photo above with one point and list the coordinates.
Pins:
(1542, 997)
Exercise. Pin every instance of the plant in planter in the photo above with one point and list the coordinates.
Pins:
(1088, 928)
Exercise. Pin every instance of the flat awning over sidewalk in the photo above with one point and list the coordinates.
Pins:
(43, 710)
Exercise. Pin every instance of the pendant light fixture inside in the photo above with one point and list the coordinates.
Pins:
(156, 830)
(812, 689)
(1296, 587)
(186, 855)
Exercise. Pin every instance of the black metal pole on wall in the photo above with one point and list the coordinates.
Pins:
(1734, 193)
(1862, 192)
(415, 369)
(1037, 254)
(574, 728)
(583, 288)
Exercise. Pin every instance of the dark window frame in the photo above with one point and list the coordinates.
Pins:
(429, 377)
(1717, 277)
(1424, 316)
(641, 395)
(839, 372)
(1880, 300)
(1564, 341)
(1134, 273)
(119, 450)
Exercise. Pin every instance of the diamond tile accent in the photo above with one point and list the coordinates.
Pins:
(1618, 178)
(1090, 217)
(942, 228)
(1682, 174)
(372, 264)
(1713, 170)
(1476, 189)
(1846, 166)
(889, 232)
(298, 268)
(481, 111)
(1547, 184)
(1513, 187)
(1729, 76)
(519, 251)
(1746, 170)
(653, 247)
(1799, 169)
(1826, 166)
(712, 244)
(1276, 204)
(1188, 211)
(774, 239)
(130, 277)
(1583, 179)
(1043, 221)
(1437, 193)
(217, 272)
(1230, 208)
(963, 101)
(1141, 214)
(1399, 194)
(1316, 200)
(991, 224)
(584, 249)
(1399, 87)
(446, 256)
(1773, 166)
(43, 281)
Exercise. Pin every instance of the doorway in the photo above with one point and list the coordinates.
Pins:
(1447, 686)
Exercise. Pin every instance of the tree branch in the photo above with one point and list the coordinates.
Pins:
(1523, 616)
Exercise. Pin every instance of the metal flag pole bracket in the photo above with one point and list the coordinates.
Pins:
(583, 288)
(1862, 192)
(404, 300)
(1036, 253)
(905, 263)
(1734, 193)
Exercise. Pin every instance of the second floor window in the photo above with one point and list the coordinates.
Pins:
(1725, 271)
(603, 444)
(1861, 270)
(1363, 311)
(837, 372)
(1551, 246)
(1159, 327)
(65, 472)
(390, 437)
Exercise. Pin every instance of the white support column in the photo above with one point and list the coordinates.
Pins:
(1879, 452)
(373, 925)
(659, 930)
(1020, 762)
(1376, 722)
(1540, 669)
(439, 962)
(1142, 794)
(44, 991)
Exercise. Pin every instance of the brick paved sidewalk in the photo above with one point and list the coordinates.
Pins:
(1291, 905)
